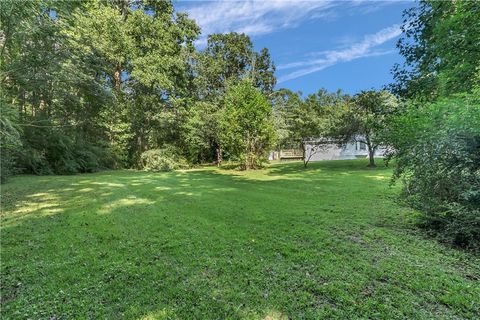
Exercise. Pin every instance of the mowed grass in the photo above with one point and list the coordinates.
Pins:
(281, 243)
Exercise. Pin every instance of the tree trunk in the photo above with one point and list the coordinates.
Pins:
(140, 143)
(305, 160)
(371, 157)
(219, 156)
(123, 6)
(117, 77)
(371, 151)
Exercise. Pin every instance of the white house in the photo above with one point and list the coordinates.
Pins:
(351, 150)
(331, 151)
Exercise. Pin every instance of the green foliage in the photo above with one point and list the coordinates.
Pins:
(437, 151)
(200, 132)
(247, 131)
(285, 108)
(229, 58)
(166, 159)
(366, 119)
(9, 141)
(440, 45)
(56, 88)
(108, 75)
(146, 52)
(122, 76)
(48, 150)
(437, 144)
(315, 120)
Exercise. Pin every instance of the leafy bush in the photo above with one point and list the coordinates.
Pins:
(165, 159)
(49, 150)
(34, 161)
(200, 131)
(437, 147)
(9, 142)
(93, 158)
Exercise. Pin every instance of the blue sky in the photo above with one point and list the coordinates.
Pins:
(348, 45)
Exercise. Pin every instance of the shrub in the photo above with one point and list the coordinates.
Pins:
(165, 159)
(9, 144)
(437, 147)
(93, 158)
(9, 141)
(50, 150)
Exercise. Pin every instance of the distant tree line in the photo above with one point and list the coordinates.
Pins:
(87, 85)
(322, 119)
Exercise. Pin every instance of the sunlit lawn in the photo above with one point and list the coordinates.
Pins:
(284, 242)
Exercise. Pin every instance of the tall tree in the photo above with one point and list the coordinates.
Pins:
(436, 136)
(227, 60)
(147, 50)
(367, 119)
(285, 105)
(246, 126)
(314, 122)
(230, 57)
(89, 76)
(55, 87)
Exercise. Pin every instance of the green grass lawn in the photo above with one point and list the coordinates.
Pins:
(329, 241)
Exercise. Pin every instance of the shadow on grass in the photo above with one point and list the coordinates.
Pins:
(209, 243)
(294, 167)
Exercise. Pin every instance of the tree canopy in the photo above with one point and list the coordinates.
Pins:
(90, 85)
(366, 120)
(247, 131)
(440, 46)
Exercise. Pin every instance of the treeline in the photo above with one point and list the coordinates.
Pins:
(88, 85)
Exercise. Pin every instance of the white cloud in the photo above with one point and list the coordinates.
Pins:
(260, 17)
(253, 17)
(358, 50)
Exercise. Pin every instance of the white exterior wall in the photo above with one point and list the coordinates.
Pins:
(333, 152)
